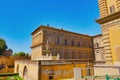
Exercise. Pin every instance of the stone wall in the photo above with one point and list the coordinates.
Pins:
(102, 70)
(7, 63)
(48, 69)
(27, 69)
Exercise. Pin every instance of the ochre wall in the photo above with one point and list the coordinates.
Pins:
(35, 71)
(114, 33)
(61, 71)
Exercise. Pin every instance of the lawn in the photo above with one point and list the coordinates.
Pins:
(10, 77)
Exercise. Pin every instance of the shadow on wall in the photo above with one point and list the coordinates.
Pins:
(2, 66)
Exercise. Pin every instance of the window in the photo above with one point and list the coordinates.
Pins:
(73, 55)
(112, 9)
(72, 43)
(97, 45)
(78, 43)
(65, 42)
(58, 41)
(65, 55)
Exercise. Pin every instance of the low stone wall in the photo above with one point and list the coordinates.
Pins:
(27, 69)
(47, 69)
(102, 70)
(8, 62)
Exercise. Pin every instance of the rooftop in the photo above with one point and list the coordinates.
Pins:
(52, 28)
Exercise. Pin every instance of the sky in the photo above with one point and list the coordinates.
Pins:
(19, 18)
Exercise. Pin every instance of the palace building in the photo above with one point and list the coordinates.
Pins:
(56, 53)
(110, 24)
(66, 44)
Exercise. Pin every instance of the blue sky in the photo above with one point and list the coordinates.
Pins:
(18, 18)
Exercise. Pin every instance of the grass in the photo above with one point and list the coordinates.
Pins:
(9, 77)
(14, 78)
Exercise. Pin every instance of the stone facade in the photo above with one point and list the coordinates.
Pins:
(108, 7)
(98, 48)
(110, 24)
(68, 45)
(102, 70)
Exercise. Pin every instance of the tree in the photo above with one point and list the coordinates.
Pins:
(3, 46)
(27, 54)
(8, 52)
(19, 54)
(15, 54)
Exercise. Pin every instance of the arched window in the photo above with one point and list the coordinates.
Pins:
(96, 45)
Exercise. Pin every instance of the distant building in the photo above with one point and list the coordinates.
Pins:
(69, 45)
(98, 49)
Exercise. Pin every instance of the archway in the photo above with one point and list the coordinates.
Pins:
(17, 69)
(25, 71)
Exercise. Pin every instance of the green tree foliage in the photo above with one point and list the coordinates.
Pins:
(3, 46)
(27, 54)
(21, 54)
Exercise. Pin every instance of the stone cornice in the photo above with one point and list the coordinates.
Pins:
(36, 45)
(51, 28)
(109, 18)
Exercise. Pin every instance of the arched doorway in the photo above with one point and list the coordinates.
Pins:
(25, 73)
(17, 69)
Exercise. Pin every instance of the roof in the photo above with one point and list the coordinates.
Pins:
(52, 28)
(98, 35)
